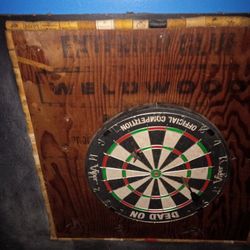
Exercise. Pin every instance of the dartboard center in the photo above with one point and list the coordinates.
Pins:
(156, 173)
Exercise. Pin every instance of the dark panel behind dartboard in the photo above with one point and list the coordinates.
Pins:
(97, 74)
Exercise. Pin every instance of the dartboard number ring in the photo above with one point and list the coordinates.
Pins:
(157, 163)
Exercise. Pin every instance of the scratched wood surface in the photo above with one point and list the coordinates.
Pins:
(75, 80)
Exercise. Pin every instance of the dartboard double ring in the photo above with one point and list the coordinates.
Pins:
(157, 163)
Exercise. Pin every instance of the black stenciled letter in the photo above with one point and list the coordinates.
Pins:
(211, 87)
(158, 87)
(185, 87)
(61, 88)
(66, 46)
(107, 90)
(129, 87)
(237, 86)
(88, 88)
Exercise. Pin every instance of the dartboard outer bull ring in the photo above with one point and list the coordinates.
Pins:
(157, 163)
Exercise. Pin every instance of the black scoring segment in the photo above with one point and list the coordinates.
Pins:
(170, 189)
(131, 146)
(155, 190)
(133, 179)
(155, 204)
(156, 136)
(114, 184)
(114, 163)
(197, 184)
(143, 187)
(131, 166)
(156, 155)
(179, 168)
(183, 144)
(179, 198)
(199, 162)
(170, 158)
(177, 179)
(132, 198)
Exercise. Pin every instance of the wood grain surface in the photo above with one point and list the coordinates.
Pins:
(76, 80)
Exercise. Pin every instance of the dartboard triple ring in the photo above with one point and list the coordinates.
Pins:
(157, 163)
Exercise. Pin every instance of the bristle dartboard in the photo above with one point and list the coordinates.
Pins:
(157, 163)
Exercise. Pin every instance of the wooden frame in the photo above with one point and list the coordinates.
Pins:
(120, 24)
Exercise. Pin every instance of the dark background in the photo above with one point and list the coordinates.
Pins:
(23, 219)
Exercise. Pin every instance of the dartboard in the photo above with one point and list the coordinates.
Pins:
(157, 163)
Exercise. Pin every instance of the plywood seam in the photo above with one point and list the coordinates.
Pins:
(158, 240)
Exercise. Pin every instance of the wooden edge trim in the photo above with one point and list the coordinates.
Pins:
(157, 240)
(200, 21)
(14, 59)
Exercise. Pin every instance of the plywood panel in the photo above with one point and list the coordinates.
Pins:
(74, 80)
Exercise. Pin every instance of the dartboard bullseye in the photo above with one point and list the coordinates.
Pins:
(157, 163)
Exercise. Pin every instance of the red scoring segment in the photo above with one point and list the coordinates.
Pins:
(177, 152)
(104, 161)
(209, 161)
(127, 204)
(192, 138)
(124, 137)
(204, 187)
(163, 128)
(108, 186)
